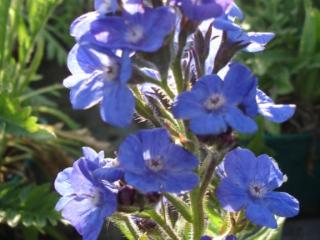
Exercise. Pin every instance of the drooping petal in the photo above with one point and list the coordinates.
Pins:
(117, 106)
(240, 122)
(82, 25)
(274, 112)
(239, 166)
(62, 184)
(259, 214)
(282, 204)
(63, 201)
(87, 93)
(231, 197)
(89, 154)
(176, 182)
(208, 124)
(73, 80)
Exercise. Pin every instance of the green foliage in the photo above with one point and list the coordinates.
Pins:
(290, 65)
(27, 205)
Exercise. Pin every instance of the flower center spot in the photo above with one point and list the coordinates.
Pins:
(134, 33)
(257, 190)
(155, 164)
(214, 102)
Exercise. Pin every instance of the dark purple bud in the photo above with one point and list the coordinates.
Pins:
(231, 237)
(205, 238)
(145, 224)
(126, 195)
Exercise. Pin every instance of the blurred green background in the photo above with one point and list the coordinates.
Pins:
(40, 134)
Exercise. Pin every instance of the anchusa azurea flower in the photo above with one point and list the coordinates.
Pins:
(160, 179)
(100, 77)
(85, 201)
(143, 30)
(213, 105)
(152, 163)
(248, 183)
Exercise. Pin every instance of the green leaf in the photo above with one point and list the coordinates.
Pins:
(25, 205)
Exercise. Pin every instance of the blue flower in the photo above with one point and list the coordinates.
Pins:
(85, 202)
(212, 105)
(152, 163)
(143, 30)
(274, 112)
(105, 6)
(101, 77)
(200, 10)
(251, 41)
(248, 183)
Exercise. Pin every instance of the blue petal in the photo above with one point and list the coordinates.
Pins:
(62, 184)
(154, 141)
(188, 105)
(63, 201)
(85, 217)
(87, 93)
(238, 83)
(73, 80)
(82, 61)
(208, 124)
(126, 67)
(105, 6)
(235, 12)
(239, 166)
(282, 204)
(130, 155)
(144, 181)
(89, 153)
(176, 182)
(176, 158)
(259, 214)
(274, 112)
(261, 37)
(240, 122)
(111, 174)
(117, 106)
(225, 25)
(274, 177)
(82, 25)
(132, 6)
(231, 197)
(202, 10)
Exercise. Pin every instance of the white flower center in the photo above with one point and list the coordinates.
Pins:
(214, 102)
(111, 70)
(134, 34)
(257, 190)
(155, 164)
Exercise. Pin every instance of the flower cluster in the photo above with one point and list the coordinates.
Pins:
(161, 63)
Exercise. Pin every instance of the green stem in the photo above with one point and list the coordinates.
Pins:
(180, 205)
(176, 66)
(41, 91)
(198, 214)
(160, 221)
(128, 224)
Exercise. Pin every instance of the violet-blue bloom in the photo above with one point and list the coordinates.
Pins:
(152, 163)
(144, 30)
(251, 41)
(199, 10)
(85, 202)
(105, 6)
(100, 77)
(212, 105)
(248, 183)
